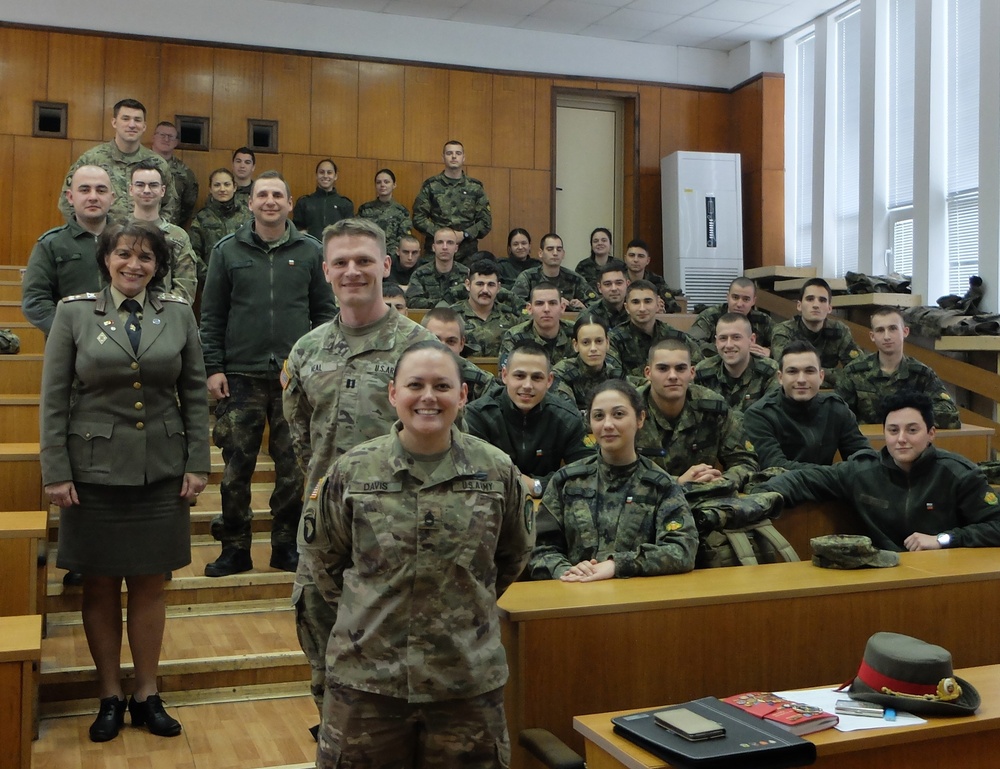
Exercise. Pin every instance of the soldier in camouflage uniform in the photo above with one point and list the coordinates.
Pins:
(449, 329)
(689, 430)
(632, 341)
(545, 328)
(611, 306)
(221, 216)
(414, 554)
(185, 182)
(118, 157)
(830, 337)
(315, 212)
(615, 514)
(405, 260)
(452, 199)
(146, 190)
(740, 299)
(387, 213)
(866, 381)
(486, 320)
(591, 268)
(265, 289)
(637, 265)
(244, 163)
(579, 376)
(336, 396)
(735, 373)
(574, 289)
(62, 263)
(441, 280)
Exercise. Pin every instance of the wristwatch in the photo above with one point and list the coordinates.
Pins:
(536, 490)
(944, 539)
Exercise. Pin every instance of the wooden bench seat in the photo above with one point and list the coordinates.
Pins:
(19, 418)
(21, 373)
(21, 477)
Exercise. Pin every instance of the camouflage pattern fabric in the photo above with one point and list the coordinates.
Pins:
(484, 335)
(10, 343)
(590, 270)
(609, 314)
(667, 294)
(863, 385)
(703, 329)
(416, 558)
(461, 204)
(470, 732)
(558, 348)
(577, 382)
(754, 383)
(859, 283)
(833, 342)
(932, 322)
(636, 515)
(571, 286)
(314, 619)
(62, 263)
(182, 277)
(478, 381)
(239, 429)
(428, 287)
(212, 224)
(119, 167)
(186, 185)
(392, 217)
(631, 345)
(707, 432)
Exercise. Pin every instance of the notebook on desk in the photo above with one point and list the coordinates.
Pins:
(749, 743)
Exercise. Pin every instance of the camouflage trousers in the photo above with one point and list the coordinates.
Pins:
(314, 619)
(361, 730)
(239, 430)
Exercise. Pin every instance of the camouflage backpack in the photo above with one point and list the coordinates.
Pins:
(9, 343)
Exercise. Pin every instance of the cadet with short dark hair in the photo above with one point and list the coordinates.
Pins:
(740, 299)
(735, 373)
(486, 320)
(244, 163)
(573, 288)
(637, 261)
(448, 326)
(545, 328)
(440, 280)
(612, 284)
(633, 340)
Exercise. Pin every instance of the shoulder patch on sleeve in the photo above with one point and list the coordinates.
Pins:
(284, 377)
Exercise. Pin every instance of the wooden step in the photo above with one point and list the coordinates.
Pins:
(21, 373)
(10, 290)
(19, 417)
(221, 645)
(10, 310)
(265, 730)
(32, 339)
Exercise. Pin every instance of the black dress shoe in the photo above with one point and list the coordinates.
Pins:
(72, 579)
(285, 558)
(152, 715)
(232, 561)
(110, 718)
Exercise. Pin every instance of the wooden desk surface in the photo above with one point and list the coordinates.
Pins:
(598, 731)
(973, 442)
(878, 300)
(19, 524)
(974, 343)
(21, 638)
(779, 271)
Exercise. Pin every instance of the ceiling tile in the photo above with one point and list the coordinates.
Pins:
(736, 10)
(679, 7)
(626, 18)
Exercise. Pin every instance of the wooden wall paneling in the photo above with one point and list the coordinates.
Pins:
(773, 122)
(714, 122)
(24, 63)
(678, 120)
(470, 114)
(772, 216)
(514, 126)
(530, 204)
(630, 149)
(752, 255)
(202, 164)
(40, 169)
(425, 115)
(237, 94)
(286, 98)
(334, 108)
(497, 184)
(132, 71)
(649, 129)
(381, 94)
(612, 85)
(187, 78)
(356, 178)
(746, 125)
(6, 200)
(300, 173)
(544, 126)
(76, 76)
(573, 83)
(409, 177)
(651, 218)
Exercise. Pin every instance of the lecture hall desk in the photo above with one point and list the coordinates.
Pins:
(973, 442)
(969, 742)
(637, 643)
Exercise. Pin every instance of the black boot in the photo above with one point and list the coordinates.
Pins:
(234, 560)
(284, 557)
(152, 715)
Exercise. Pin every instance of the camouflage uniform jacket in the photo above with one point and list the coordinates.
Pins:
(334, 398)
(703, 329)
(315, 211)
(707, 432)
(577, 382)
(942, 493)
(670, 304)
(62, 263)
(609, 314)
(182, 277)
(119, 167)
(417, 564)
(392, 217)
(242, 195)
(460, 203)
(834, 342)
(257, 302)
(863, 384)
(510, 268)
(791, 434)
(538, 442)
(213, 223)
(631, 345)
(590, 270)
(186, 185)
(637, 515)
(485, 335)
(428, 286)
(571, 286)
(759, 379)
(558, 348)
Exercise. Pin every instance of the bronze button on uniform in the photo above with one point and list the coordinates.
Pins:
(139, 425)
(138, 405)
(137, 385)
(135, 365)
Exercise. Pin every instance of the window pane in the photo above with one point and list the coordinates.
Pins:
(902, 247)
(805, 62)
(847, 139)
(901, 90)
(963, 241)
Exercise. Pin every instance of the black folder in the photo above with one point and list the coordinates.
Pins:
(750, 743)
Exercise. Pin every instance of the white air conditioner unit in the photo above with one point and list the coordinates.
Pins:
(702, 223)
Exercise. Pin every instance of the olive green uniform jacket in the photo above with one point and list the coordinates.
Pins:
(759, 379)
(834, 343)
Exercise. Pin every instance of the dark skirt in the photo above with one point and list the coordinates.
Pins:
(119, 531)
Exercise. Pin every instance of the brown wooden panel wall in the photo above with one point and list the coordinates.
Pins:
(367, 115)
